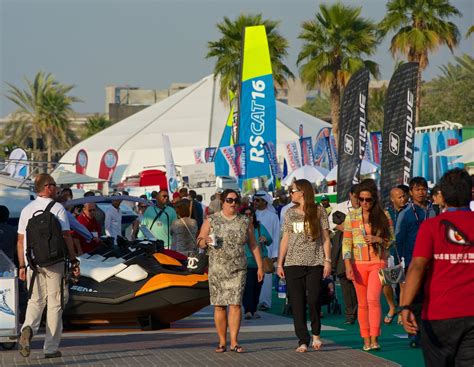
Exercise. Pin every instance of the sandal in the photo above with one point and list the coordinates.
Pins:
(366, 348)
(237, 349)
(303, 348)
(375, 347)
(389, 318)
(220, 349)
(317, 343)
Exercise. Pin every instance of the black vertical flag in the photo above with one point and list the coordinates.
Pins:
(352, 132)
(398, 135)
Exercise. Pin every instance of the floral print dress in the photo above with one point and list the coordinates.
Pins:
(227, 260)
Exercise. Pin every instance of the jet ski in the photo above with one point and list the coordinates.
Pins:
(134, 282)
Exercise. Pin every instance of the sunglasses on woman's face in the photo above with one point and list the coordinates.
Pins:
(232, 200)
(367, 200)
(292, 191)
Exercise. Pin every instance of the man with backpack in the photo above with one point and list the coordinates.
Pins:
(158, 219)
(44, 244)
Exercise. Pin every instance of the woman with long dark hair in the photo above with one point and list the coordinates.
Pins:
(304, 259)
(368, 234)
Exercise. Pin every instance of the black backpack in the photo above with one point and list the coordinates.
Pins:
(45, 244)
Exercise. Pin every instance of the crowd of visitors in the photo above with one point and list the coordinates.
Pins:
(429, 233)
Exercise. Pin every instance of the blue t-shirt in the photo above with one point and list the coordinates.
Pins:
(406, 229)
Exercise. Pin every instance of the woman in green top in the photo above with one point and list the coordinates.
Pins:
(252, 285)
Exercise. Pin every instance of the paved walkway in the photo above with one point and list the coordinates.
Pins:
(269, 341)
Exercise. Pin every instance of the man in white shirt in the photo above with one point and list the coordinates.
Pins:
(346, 206)
(262, 202)
(46, 290)
(113, 221)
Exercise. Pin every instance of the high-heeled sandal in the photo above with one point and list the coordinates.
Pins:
(237, 349)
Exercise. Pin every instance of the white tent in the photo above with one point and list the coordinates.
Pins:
(192, 118)
(310, 173)
(365, 168)
(461, 149)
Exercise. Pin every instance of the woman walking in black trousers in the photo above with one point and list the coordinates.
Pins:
(304, 259)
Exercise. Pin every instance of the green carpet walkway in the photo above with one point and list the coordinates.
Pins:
(393, 339)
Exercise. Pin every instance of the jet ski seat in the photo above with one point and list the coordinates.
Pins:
(133, 273)
(101, 270)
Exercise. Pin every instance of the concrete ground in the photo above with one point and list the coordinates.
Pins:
(269, 341)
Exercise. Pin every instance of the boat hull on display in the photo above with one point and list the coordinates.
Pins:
(150, 288)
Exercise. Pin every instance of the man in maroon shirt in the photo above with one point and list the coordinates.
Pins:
(87, 219)
(444, 252)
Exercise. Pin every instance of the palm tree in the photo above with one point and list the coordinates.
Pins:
(334, 43)
(227, 50)
(42, 112)
(95, 124)
(376, 107)
(421, 27)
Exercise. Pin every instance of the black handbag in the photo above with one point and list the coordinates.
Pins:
(197, 261)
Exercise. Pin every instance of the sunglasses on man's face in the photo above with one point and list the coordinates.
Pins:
(367, 200)
(257, 200)
(232, 200)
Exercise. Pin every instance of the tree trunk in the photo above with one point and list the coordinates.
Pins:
(49, 149)
(335, 112)
(418, 98)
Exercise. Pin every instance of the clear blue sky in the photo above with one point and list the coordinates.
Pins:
(151, 43)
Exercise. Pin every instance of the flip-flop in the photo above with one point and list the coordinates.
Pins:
(366, 348)
(375, 347)
(220, 349)
(389, 318)
(237, 349)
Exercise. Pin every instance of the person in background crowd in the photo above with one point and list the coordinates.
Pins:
(199, 199)
(399, 201)
(326, 205)
(183, 229)
(262, 202)
(279, 203)
(87, 219)
(7, 234)
(443, 261)
(175, 199)
(304, 260)
(215, 204)
(140, 210)
(252, 285)
(406, 230)
(227, 266)
(368, 234)
(130, 204)
(99, 213)
(406, 191)
(113, 220)
(438, 200)
(195, 208)
(346, 206)
(158, 219)
(347, 286)
(46, 290)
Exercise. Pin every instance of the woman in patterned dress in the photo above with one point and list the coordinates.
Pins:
(228, 265)
(305, 253)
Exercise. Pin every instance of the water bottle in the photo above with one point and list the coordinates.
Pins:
(282, 288)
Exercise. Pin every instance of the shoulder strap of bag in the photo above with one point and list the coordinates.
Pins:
(189, 231)
(49, 207)
(158, 215)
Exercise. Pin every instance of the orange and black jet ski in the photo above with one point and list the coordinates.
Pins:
(134, 282)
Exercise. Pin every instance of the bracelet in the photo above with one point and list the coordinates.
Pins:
(405, 307)
(22, 267)
(279, 266)
(328, 261)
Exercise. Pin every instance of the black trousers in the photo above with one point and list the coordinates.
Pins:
(350, 298)
(448, 342)
(303, 285)
(251, 291)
